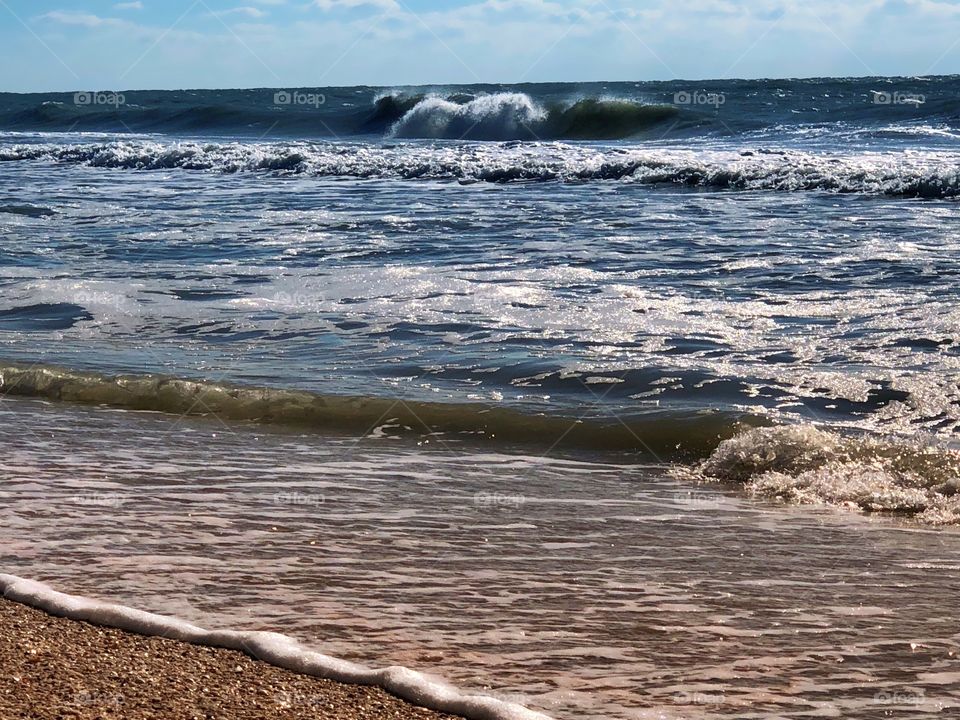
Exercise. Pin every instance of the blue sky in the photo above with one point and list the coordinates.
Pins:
(62, 45)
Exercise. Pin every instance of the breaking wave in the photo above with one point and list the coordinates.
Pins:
(512, 116)
(795, 463)
(804, 464)
(506, 116)
(452, 115)
(662, 435)
(921, 175)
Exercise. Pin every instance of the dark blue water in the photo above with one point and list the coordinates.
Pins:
(880, 107)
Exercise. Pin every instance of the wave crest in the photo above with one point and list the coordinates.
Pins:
(667, 435)
(517, 116)
(504, 116)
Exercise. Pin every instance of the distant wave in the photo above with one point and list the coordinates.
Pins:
(184, 117)
(482, 116)
(512, 116)
(607, 119)
(551, 111)
(673, 435)
(505, 116)
(915, 174)
(156, 119)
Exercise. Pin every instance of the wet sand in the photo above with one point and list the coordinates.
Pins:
(54, 669)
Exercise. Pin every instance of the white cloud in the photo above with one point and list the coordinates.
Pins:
(67, 17)
(129, 6)
(328, 5)
(370, 41)
(246, 11)
(931, 7)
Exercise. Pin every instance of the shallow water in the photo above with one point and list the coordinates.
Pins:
(585, 587)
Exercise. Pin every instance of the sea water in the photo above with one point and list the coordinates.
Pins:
(620, 401)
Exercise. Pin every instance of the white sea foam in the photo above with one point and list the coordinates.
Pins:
(807, 465)
(913, 174)
(272, 648)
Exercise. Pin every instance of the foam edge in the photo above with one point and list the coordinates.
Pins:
(272, 648)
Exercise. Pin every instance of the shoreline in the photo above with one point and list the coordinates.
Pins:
(55, 667)
(67, 656)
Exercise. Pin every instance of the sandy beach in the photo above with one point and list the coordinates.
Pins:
(54, 668)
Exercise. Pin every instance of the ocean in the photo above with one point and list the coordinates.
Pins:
(612, 400)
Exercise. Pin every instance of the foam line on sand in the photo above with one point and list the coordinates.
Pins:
(273, 648)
